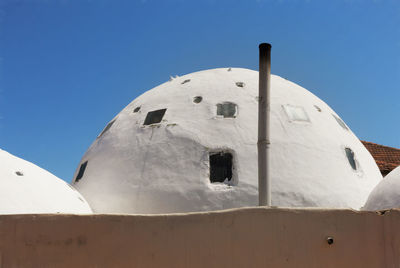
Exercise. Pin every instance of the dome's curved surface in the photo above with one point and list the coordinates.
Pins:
(386, 194)
(160, 153)
(26, 188)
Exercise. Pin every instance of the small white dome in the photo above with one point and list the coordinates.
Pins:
(386, 194)
(26, 188)
(190, 144)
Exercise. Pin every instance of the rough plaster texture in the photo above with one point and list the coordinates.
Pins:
(386, 194)
(250, 237)
(27, 188)
(164, 168)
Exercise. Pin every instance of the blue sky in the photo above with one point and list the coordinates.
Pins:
(67, 67)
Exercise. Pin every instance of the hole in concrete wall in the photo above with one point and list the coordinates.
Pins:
(220, 167)
(317, 108)
(197, 99)
(340, 122)
(154, 117)
(137, 109)
(351, 158)
(186, 81)
(106, 128)
(19, 173)
(240, 84)
(81, 171)
(227, 109)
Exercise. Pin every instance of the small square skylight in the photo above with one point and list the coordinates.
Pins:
(296, 113)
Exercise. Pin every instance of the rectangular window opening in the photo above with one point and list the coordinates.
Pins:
(227, 109)
(220, 167)
(154, 117)
(107, 128)
(340, 122)
(296, 113)
(81, 171)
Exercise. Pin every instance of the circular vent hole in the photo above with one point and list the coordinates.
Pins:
(318, 109)
(19, 173)
(197, 99)
(137, 109)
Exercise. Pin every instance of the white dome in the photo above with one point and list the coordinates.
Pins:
(386, 194)
(26, 188)
(140, 165)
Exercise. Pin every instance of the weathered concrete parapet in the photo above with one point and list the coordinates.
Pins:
(249, 237)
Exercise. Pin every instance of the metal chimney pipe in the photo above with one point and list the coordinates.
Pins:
(263, 144)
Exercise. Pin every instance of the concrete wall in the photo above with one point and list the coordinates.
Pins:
(250, 237)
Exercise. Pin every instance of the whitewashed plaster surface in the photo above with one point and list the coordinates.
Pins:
(26, 188)
(386, 194)
(164, 167)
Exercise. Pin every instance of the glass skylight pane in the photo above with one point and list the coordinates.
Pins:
(340, 122)
(296, 113)
(227, 109)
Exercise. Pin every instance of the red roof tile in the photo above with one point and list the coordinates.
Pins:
(387, 158)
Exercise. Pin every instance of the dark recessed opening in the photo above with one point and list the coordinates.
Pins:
(81, 171)
(227, 109)
(107, 128)
(350, 157)
(154, 117)
(197, 99)
(137, 109)
(19, 173)
(220, 167)
(186, 81)
(240, 84)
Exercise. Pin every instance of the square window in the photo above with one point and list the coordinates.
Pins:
(227, 109)
(154, 117)
(296, 113)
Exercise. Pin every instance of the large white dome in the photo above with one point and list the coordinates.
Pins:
(26, 188)
(190, 145)
(386, 194)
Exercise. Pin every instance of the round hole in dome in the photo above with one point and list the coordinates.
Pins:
(19, 173)
(137, 109)
(197, 99)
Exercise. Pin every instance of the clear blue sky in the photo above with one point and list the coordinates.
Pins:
(67, 67)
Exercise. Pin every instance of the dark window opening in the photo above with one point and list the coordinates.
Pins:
(220, 167)
(197, 99)
(81, 171)
(107, 128)
(137, 109)
(19, 173)
(240, 84)
(317, 107)
(227, 109)
(154, 117)
(186, 81)
(350, 157)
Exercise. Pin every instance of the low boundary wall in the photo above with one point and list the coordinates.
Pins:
(246, 237)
